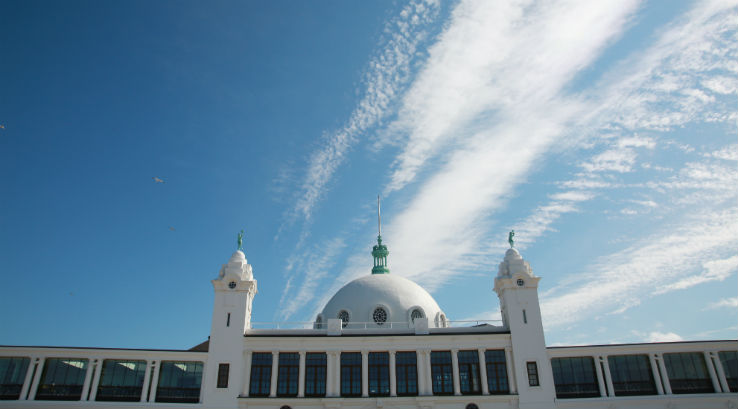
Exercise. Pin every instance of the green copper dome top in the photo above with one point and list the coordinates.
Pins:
(380, 252)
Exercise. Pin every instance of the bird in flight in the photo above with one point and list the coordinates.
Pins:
(157, 180)
(171, 228)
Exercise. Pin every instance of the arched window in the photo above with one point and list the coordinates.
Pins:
(343, 315)
(415, 314)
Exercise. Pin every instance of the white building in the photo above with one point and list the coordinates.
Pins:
(381, 341)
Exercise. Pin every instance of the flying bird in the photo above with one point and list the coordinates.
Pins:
(157, 180)
(171, 228)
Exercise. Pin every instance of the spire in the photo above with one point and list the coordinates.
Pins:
(379, 252)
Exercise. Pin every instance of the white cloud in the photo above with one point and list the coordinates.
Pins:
(723, 303)
(714, 270)
(656, 336)
(617, 160)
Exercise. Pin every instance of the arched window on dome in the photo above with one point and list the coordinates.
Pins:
(319, 321)
(344, 316)
(415, 314)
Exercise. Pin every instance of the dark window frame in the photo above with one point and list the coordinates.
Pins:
(495, 361)
(575, 377)
(632, 375)
(531, 368)
(70, 388)
(129, 390)
(260, 381)
(184, 388)
(223, 372)
(406, 373)
(379, 374)
(470, 382)
(442, 374)
(686, 364)
(13, 370)
(316, 364)
(288, 372)
(729, 362)
(351, 374)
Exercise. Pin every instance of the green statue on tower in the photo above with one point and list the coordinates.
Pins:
(510, 238)
(240, 240)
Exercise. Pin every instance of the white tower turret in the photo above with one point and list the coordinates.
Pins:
(517, 288)
(235, 288)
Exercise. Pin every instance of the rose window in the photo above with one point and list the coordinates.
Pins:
(379, 315)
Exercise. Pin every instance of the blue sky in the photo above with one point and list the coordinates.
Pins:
(603, 132)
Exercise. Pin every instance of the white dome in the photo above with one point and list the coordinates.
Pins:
(397, 296)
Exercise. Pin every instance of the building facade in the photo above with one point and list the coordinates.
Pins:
(381, 341)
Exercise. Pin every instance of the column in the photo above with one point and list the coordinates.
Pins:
(301, 376)
(483, 371)
(337, 371)
(330, 368)
(37, 377)
(711, 371)
(655, 372)
(664, 375)
(428, 372)
(393, 373)
(96, 379)
(29, 377)
(510, 366)
(88, 376)
(275, 369)
(147, 379)
(419, 363)
(721, 372)
(608, 378)
(455, 370)
(364, 373)
(600, 378)
(155, 381)
(246, 374)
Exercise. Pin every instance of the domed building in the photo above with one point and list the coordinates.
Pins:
(380, 341)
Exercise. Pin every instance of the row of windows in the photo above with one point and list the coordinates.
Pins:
(406, 373)
(633, 375)
(120, 380)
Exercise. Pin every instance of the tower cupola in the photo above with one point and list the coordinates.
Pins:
(379, 251)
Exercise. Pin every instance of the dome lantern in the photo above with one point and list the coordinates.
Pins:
(379, 251)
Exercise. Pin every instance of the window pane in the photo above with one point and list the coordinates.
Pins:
(379, 374)
(12, 374)
(179, 382)
(631, 375)
(688, 373)
(315, 370)
(121, 381)
(729, 361)
(261, 374)
(62, 379)
(469, 372)
(442, 373)
(406, 368)
(575, 377)
(287, 377)
(496, 371)
(532, 369)
(350, 374)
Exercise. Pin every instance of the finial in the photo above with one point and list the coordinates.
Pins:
(240, 240)
(510, 238)
(379, 218)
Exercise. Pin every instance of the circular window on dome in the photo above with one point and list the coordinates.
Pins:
(232, 285)
(343, 315)
(472, 406)
(415, 314)
(379, 315)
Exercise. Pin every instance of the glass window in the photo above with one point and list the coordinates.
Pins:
(532, 369)
(688, 373)
(575, 377)
(12, 374)
(469, 373)
(179, 382)
(350, 374)
(62, 379)
(261, 374)
(729, 361)
(287, 375)
(223, 370)
(406, 369)
(121, 381)
(442, 374)
(631, 375)
(496, 371)
(379, 374)
(315, 364)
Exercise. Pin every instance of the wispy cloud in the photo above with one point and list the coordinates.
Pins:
(387, 73)
(723, 303)
(656, 336)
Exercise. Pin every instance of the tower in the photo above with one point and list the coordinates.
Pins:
(235, 288)
(517, 288)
